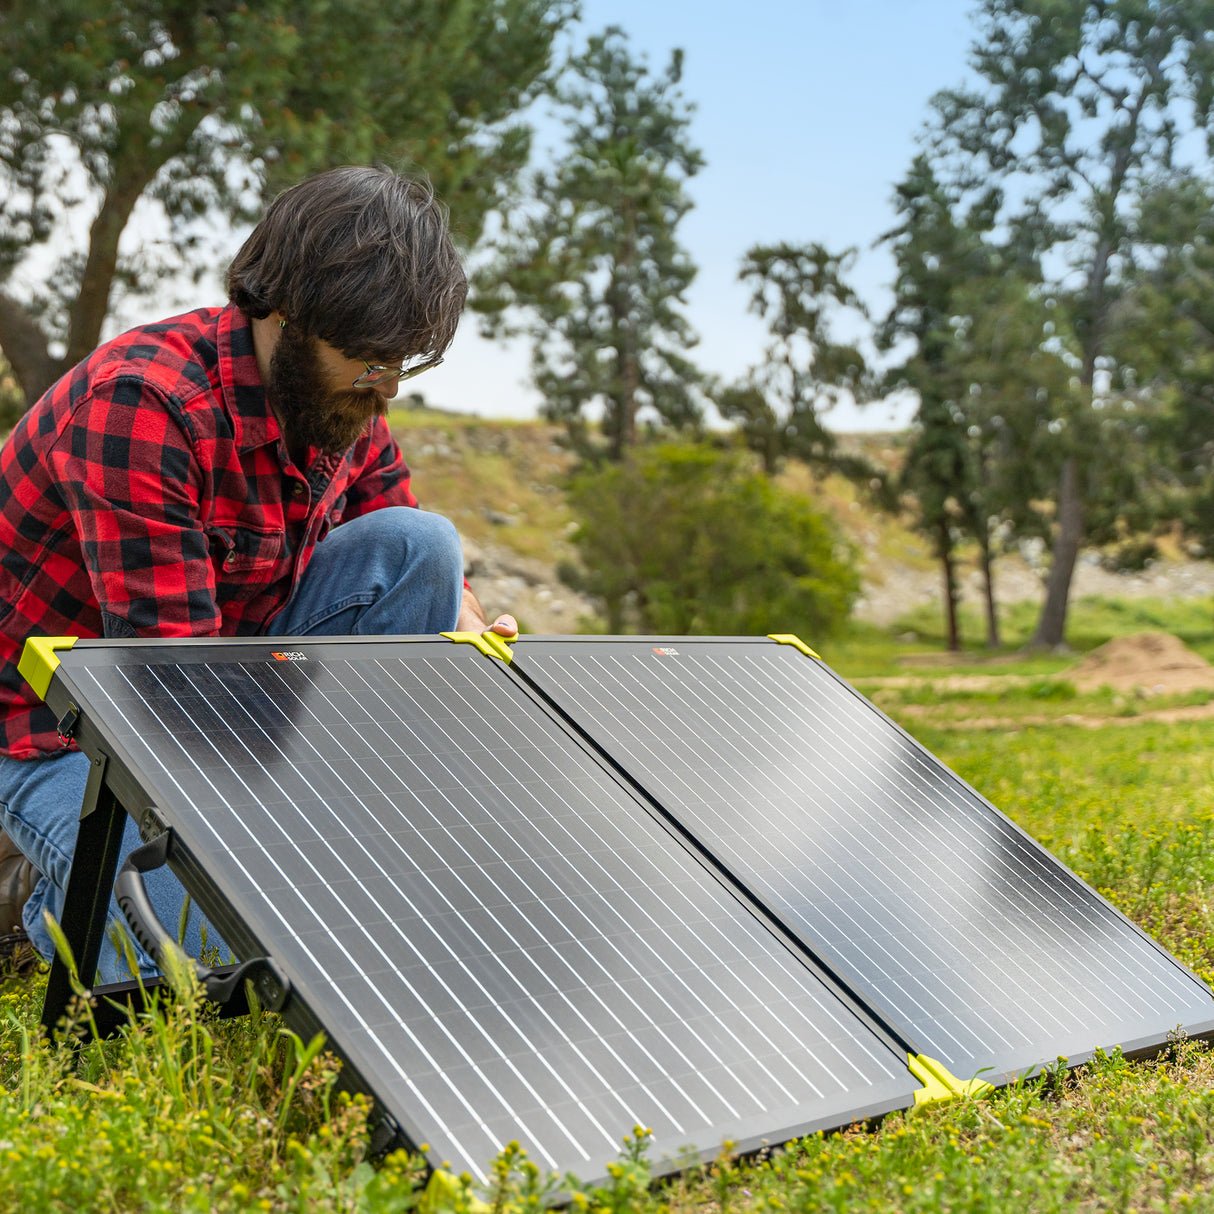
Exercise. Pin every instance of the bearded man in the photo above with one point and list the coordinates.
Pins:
(228, 472)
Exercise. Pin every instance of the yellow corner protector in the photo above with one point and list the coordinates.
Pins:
(489, 643)
(939, 1083)
(787, 638)
(39, 661)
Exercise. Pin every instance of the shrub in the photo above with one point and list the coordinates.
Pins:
(683, 539)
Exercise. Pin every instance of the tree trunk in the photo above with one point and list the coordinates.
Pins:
(626, 435)
(92, 303)
(25, 346)
(944, 545)
(1051, 625)
(624, 324)
(21, 338)
(992, 608)
(988, 587)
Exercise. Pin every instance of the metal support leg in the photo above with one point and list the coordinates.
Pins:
(89, 886)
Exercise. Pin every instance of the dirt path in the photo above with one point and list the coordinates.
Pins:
(931, 716)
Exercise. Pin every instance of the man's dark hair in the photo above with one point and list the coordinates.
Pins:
(359, 257)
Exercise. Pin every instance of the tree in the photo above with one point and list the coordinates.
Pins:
(1009, 375)
(801, 291)
(939, 473)
(589, 265)
(937, 249)
(683, 539)
(1166, 318)
(127, 108)
(1080, 104)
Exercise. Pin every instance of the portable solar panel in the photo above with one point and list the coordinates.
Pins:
(500, 938)
(973, 943)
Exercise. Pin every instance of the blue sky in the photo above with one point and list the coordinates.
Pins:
(807, 115)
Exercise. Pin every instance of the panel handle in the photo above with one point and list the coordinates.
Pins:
(268, 980)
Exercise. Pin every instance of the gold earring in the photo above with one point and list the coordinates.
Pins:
(282, 324)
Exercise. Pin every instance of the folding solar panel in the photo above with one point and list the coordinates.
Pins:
(500, 938)
(973, 943)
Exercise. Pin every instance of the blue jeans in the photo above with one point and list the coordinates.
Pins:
(394, 571)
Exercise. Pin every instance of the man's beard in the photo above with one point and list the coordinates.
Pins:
(312, 414)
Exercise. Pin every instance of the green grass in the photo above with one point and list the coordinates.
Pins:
(1091, 621)
(180, 1112)
(1030, 703)
(184, 1112)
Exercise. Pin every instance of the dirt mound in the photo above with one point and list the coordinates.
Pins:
(1154, 662)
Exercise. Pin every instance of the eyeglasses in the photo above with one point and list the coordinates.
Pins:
(377, 373)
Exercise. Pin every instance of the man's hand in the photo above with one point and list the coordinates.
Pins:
(472, 618)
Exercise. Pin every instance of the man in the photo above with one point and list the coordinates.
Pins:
(228, 472)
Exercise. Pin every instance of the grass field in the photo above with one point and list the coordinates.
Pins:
(187, 1113)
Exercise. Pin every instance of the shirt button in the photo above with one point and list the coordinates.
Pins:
(230, 559)
(298, 491)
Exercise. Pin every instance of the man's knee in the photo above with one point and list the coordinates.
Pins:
(428, 540)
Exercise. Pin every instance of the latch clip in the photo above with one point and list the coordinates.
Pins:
(67, 725)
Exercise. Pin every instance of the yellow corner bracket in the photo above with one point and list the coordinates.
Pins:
(39, 661)
(787, 638)
(489, 643)
(939, 1083)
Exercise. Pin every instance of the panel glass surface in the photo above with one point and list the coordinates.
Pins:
(503, 941)
(964, 934)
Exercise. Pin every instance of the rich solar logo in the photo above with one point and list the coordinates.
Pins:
(288, 655)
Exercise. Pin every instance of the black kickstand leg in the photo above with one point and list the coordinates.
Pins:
(89, 886)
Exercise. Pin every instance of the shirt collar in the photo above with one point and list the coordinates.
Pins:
(253, 422)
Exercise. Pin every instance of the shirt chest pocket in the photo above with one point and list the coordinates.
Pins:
(245, 559)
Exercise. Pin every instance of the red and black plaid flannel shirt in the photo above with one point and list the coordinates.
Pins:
(150, 493)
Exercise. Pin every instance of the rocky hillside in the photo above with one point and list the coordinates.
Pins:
(502, 484)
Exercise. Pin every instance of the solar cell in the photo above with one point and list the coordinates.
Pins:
(975, 944)
(500, 938)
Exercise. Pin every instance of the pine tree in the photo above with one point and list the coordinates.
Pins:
(801, 291)
(589, 265)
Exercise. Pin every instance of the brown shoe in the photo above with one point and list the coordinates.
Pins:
(17, 956)
(17, 880)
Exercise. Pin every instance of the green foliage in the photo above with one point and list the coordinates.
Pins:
(180, 1112)
(198, 109)
(681, 540)
(1165, 323)
(589, 265)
